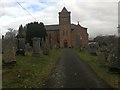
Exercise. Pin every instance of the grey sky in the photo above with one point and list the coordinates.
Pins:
(100, 17)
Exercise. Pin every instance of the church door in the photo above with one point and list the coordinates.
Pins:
(65, 44)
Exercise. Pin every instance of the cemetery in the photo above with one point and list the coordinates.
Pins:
(106, 62)
(102, 72)
(22, 63)
(26, 66)
(25, 58)
(29, 71)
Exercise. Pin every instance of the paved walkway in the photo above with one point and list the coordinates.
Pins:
(70, 72)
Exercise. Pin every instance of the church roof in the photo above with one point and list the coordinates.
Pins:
(52, 27)
(56, 27)
(64, 10)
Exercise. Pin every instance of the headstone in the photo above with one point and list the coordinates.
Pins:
(36, 46)
(45, 49)
(20, 46)
(114, 60)
(21, 43)
(92, 48)
(9, 51)
(102, 57)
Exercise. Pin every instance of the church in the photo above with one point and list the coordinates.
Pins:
(65, 34)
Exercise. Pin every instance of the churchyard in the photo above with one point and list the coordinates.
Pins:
(29, 71)
(104, 59)
(26, 66)
(103, 72)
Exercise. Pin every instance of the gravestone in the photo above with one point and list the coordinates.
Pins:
(92, 48)
(28, 47)
(102, 57)
(114, 60)
(36, 46)
(20, 46)
(21, 43)
(9, 51)
(45, 49)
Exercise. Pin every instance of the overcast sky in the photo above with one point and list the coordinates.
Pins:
(99, 16)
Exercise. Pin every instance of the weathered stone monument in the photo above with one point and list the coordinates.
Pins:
(114, 60)
(45, 49)
(36, 46)
(9, 50)
(21, 43)
(92, 48)
(102, 56)
(20, 46)
(28, 48)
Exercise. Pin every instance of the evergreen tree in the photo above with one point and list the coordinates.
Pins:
(21, 32)
(35, 30)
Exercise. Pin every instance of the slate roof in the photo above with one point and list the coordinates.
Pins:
(52, 27)
(56, 27)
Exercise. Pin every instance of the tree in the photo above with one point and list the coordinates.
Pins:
(21, 32)
(35, 30)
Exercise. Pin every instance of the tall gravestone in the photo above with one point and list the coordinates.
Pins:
(20, 46)
(21, 43)
(9, 50)
(102, 57)
(36, 46)
(114, 60)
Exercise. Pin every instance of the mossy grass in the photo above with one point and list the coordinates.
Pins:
(102, 72)
(29, 71)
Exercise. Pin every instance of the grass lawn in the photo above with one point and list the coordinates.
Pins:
(29, 71)
(102, 72)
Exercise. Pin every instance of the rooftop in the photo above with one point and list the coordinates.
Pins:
(56, 27)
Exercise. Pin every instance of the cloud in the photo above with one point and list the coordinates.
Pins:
(100, 17)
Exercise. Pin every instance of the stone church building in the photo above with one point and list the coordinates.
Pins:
(66, 34)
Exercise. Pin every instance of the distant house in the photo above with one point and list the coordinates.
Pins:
(66, 34)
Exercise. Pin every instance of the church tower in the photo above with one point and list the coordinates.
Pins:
(65, 28)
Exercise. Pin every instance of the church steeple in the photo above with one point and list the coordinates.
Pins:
(65, 28)
(64, 16)
(64, 10)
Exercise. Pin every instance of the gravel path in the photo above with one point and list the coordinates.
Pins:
(70, 72)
